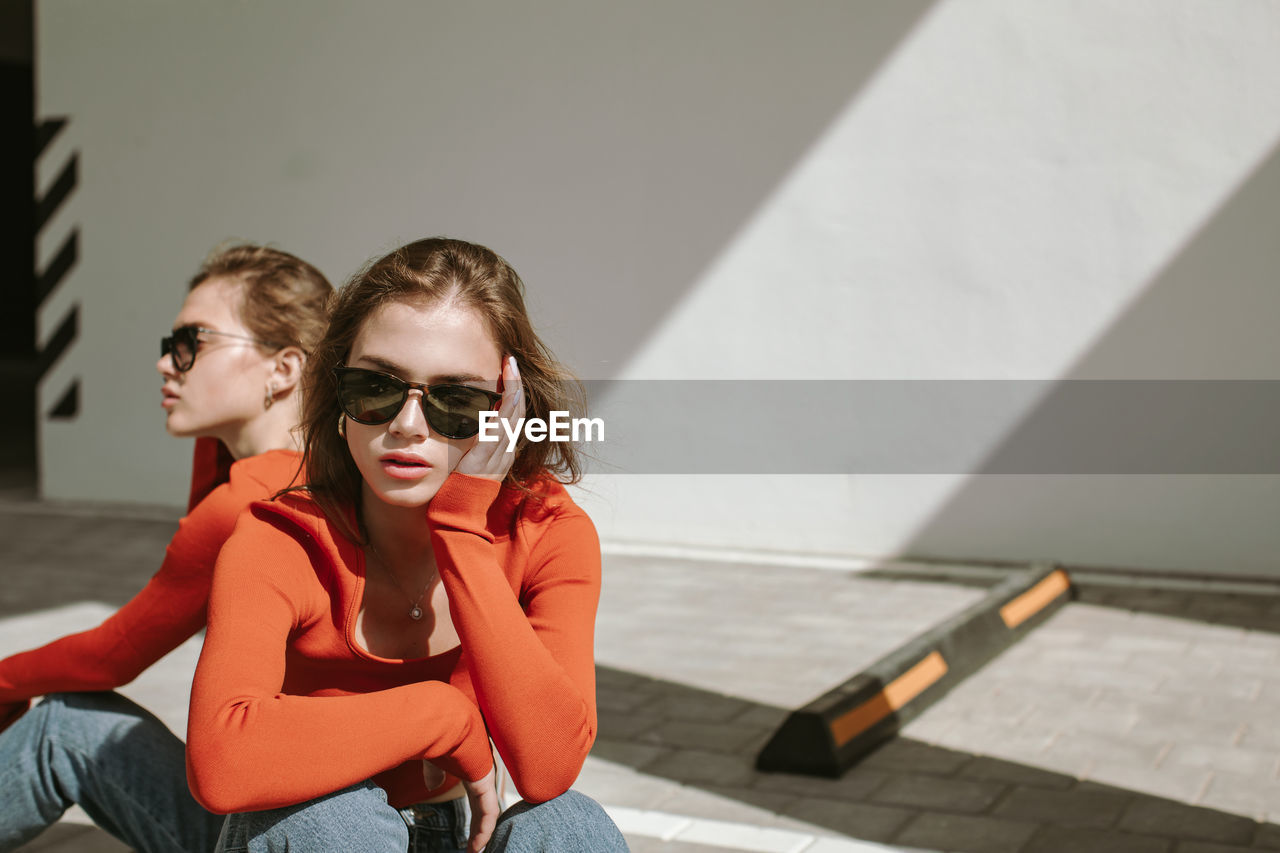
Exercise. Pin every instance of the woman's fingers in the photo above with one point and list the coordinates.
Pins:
(485, 809)
(493, 459)
(490, 459)
(512, 407)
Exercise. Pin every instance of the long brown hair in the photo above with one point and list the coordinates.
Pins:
(433, 270)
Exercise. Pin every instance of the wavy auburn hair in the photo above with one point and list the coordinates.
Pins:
(433, 270)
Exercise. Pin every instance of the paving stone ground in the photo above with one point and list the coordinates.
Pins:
(1133, 719)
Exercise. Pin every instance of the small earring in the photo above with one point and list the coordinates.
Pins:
(270, 398)
(342, 425)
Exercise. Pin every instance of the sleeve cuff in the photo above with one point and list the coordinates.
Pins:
(463, 504)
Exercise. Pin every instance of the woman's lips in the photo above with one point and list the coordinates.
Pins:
(168, 399)
(404, 467)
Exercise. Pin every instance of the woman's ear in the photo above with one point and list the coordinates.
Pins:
(286, 372)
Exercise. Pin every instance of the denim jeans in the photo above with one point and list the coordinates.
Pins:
(128, 772)
(113, 758)
(359, 818)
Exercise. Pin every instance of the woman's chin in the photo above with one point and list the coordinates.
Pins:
(180, 427)
(176, 427)
(407, 496)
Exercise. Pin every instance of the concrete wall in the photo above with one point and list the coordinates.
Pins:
(719, 189)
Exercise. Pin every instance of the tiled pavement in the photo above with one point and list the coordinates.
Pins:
(1132, 720)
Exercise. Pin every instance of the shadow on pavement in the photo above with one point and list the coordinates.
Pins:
(906, 792)
(1253, 612)
(53, 558)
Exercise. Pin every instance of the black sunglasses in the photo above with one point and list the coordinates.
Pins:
(182, 345)
(371, 398)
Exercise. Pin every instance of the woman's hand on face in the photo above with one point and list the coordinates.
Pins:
(490, 459)
(485, 808)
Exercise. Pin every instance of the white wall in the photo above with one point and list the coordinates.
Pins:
(717, 189)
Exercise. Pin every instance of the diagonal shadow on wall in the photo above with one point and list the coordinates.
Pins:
(709, 107)
(1208, 314)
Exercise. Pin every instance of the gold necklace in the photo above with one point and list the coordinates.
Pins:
(415, 608)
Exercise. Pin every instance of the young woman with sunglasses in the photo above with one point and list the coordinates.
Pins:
(231, 373)
(425, 592)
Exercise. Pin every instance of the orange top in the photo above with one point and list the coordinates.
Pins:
(172, 605)
(287, 706)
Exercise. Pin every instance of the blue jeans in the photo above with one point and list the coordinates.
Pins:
(113, 758)
(359, 818)
(128, 772)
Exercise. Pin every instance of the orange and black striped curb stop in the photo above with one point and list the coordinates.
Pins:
(831, 733)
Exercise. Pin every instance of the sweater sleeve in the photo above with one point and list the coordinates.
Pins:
(154, 622)
(532, 660)
(249, 745)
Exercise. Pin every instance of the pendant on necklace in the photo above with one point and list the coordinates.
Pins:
(416, 613)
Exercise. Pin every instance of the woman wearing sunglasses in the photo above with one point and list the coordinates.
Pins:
(231, 373)
(426, 591)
